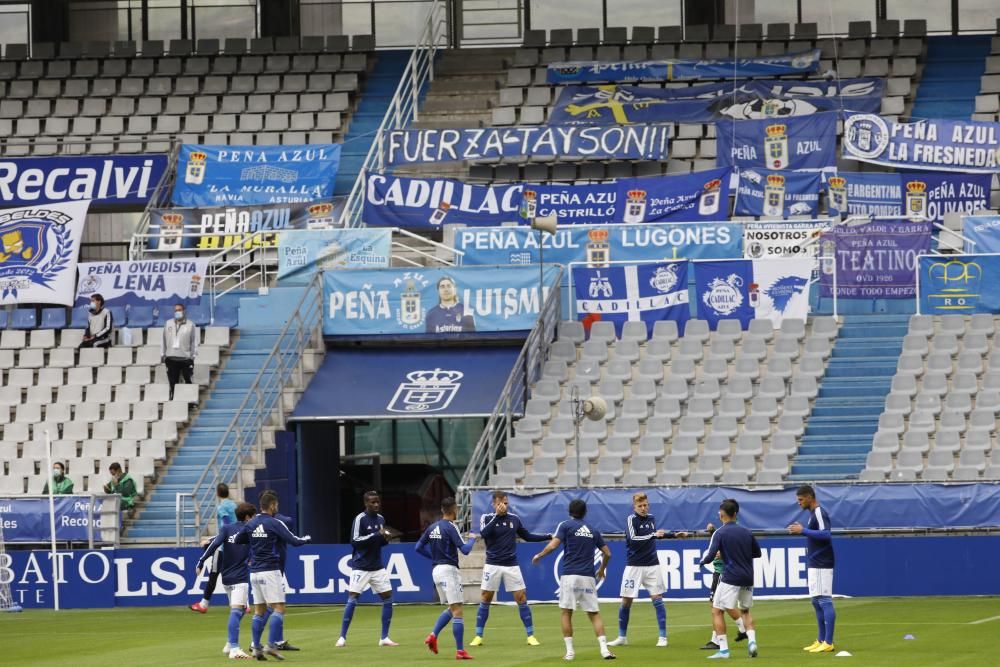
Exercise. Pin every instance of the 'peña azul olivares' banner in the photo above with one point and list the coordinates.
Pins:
(916, 197)
(939, 145)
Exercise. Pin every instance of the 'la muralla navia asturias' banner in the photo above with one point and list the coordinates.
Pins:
(40, 249)
(705, 103)
(959, 284)
(428, 203)
(791, 144)
(912, 196)
(101, 179)
(155, 282)
(239, 175)
(635, 142)
(432, 301)
(939, 145)
(679, 69)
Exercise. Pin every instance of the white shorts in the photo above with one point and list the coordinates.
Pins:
(268, 587)
(578, 591)
(362, 579)
(509, 575)
(642, 576)
(448, 582)
(728, 596)
(820, 581)
(239, 594)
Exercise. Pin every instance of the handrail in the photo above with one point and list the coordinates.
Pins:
(403, 106)
(527, 368)
(137, 249)
(244, 434)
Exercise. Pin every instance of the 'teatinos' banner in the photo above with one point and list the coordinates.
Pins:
(877, 260)
(940, 145)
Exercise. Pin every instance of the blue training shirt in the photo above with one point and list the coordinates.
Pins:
(267, 537)
(500, 534)
(441, 543)
(739, 547)
(225, 513)
(449, 319)
(819, 541)
(234, 564)
(367, 541)
(579, 543)
(640, 541)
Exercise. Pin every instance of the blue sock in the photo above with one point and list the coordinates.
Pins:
(661, 616)
(257, 629)
(524, 611)
(623, 614)
(235, 616)
(820, 619)
(267, 614)
(276, 633)
(482, 614)
(441, 622)
(458, 629)
(386, 616)
(830, 616)
(348, 615)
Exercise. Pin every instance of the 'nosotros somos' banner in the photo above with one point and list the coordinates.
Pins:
(675, 69)
(637, 142)
(877, 260)
(103, 179)
(800, 142)
(913, 196)
(155, 282)
(428, 203)
(941, 145)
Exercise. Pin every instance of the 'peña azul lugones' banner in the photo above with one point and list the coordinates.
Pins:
(939, 145)
(101, 179)
(428, 203)
(155, 282)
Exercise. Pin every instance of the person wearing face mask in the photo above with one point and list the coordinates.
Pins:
(122, 484)
(99, 324)
(61, 484)
(178, 347)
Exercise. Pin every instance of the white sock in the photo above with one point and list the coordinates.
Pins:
(204, 603)
(603, 641)
(723, 643)
(740, 625)
(715, 637)
(569, 644)
(752, 635)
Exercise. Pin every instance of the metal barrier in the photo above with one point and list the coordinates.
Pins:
(527, 369)
(186, 517)
(159, 198)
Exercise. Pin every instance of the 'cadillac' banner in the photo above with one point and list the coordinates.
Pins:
(877, 260)
(676, 70)
(240, 175)
(155, 282)
(792, 144)
(705, 103)
(633, 293)
(224, 227)
(302, 253)
(939, 145)
(959, 284)
(764, 240)
(637, 142)
(778, 195)
(982, 232)
(428, 203)
(912, 196)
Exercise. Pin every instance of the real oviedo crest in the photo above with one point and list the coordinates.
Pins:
(426, 391)
(776, 146)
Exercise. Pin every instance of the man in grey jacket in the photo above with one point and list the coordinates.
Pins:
(179, 347)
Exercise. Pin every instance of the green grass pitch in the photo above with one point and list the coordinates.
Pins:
(947, 631)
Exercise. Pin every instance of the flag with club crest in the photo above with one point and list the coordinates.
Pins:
(633, 292)
(748, 289)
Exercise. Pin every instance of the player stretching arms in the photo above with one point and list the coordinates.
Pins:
(642, 568)
(232, 565)
(819, 556)
(368, 536)
(738, 548)
(500, 531)
(441, 543)
(577, 582)
(267, 537)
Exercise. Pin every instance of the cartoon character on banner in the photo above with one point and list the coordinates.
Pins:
(27, 257)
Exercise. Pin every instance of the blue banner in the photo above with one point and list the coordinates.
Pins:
(705, 103)
(877, 260)
(778, 195)
(636, 142)
(959, 284)
(159, 283)
(632, 293)
(599, 245)
(982, 232)
(102, 179)
(303, 253)
(432, 301)
(677, 70)
(746, 289)
(428, 203)
(26, 520)
(939, 145)
(792, 144)
(244, 175)
(913, 196)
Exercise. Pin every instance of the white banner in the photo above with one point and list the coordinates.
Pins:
(768, 240)
(783, 288)
(156, 282)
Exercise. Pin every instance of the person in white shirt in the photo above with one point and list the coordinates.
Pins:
(179, 347)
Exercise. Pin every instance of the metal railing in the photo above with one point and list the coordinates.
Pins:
(244, 435)
(103, 516)
(186, 518)
(403, 107)
(159, 198)
(527, 369)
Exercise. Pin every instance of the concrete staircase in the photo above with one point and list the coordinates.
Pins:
(951, 77)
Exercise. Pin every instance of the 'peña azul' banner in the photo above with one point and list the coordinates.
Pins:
(877, 260)
(793, 144)
(154, 282)
(912, 196)
(982, 233)
(428, 203)
(778, 195)
(26, 520)
(101, 179)
(959, 284)
(302, 253)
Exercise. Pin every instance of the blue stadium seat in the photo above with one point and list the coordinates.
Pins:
(164, 315)
(118, 315)
(79, 320)
(140, 317)
(199, 315)
(24, 318)
(53, 318)
(3, 319)
(226, 316)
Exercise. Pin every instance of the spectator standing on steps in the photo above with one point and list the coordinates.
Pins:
(99, 324)
(179, 347)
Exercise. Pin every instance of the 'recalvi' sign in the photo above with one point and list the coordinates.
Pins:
(102, 179)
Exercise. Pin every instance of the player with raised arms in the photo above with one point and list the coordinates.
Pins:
(820, 561)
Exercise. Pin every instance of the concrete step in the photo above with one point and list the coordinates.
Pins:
(455, 103)
(466, 84)
(451, 120)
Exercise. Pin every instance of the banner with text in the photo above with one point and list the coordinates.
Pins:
(877, 260)
(792, 238)
(635, 142)
(241, 175)
(633, 293)
(302, 253)
(41, 245)
(747, 289)
(680, 69)
(428, 203)
(793, 144)
(778, 195)
(940, 145)
(432, 301)
(912, 196)
(156, 282)
(101, 179)
(982, 232)
(26, 520)
(959, 284)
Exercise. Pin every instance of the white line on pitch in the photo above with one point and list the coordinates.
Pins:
(985, 620)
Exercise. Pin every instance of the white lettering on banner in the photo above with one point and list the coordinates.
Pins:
(632, 236)
(309, 576)
(250, 156)
(35, 568)
(776, 568)
(430, 194)
(769, 569)
(399, 571)
(691, 562)
(106, 564)
(123, 591)
(176, 577)
(796, 567)
(368, 304)
(81, 183)
(6, 571)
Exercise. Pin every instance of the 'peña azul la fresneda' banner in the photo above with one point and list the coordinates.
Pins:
(789, 144)
(778, 194)
(153, 282)
(679, 69)
(241, 175)
(912, 196)
(428, 203)
(40, 249)
(636, 142)
(877, 260)
(301, 253)
(959, 284)
(101, 179)
(432, 301)
(939, 145)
